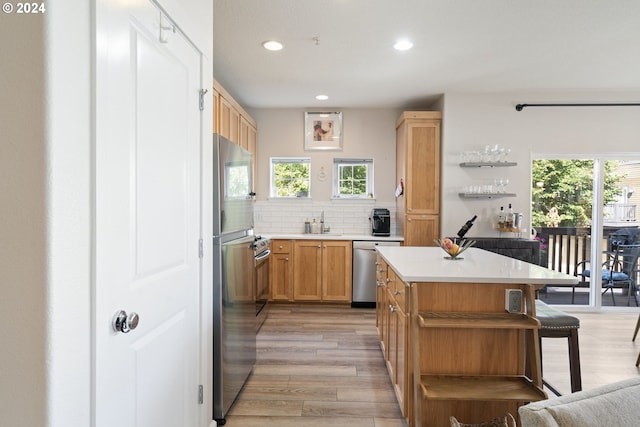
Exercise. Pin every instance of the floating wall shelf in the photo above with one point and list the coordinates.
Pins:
(487, 164)
(485, 195)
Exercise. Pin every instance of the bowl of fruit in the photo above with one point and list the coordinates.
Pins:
(454, 247)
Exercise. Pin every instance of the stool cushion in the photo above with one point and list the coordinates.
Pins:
(607, 275)
(552, 318)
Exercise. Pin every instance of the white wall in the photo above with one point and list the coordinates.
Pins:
(367, 133)
(473, 120)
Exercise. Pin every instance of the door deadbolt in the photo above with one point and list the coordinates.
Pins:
(123, 322)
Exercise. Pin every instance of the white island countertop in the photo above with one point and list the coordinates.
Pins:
(428, 264)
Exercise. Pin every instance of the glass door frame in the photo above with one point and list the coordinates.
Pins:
(597, 221)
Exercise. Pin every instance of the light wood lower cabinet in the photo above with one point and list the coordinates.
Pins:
(322, 270)
(281, 274)
(382, 306)
(311, 270)
(397, 341)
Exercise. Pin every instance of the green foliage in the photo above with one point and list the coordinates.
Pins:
(567, 186)
(291, 179)
(353, 179)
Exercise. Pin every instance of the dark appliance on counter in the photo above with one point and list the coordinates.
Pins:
(234, 300)
(380, 222)
(262, 255)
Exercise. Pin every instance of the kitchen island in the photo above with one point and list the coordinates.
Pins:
(451, 346)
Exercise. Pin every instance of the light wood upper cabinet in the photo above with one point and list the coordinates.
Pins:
(244, 133)
(418, 166)
(216, 111)
(234, 123)
(229, 120)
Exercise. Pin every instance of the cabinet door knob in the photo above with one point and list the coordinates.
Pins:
(286, 259)
(319, 246)
(280, 247)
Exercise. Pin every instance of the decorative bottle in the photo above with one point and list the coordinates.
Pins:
(509, 219)
(501, 218)
(467, 225)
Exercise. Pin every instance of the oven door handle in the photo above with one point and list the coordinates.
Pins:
(264, 255)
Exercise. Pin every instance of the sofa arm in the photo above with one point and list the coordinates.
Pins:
(609, 405)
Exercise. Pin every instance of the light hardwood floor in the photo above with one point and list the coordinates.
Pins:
(322, 366)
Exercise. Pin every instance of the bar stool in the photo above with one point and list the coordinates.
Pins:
(555, 323)
(635, 334)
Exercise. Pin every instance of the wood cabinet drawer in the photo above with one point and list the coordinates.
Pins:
(381, 271)
(281, 246)
(398, 290)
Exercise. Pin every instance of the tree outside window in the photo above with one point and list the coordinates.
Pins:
(353, 178)
(562, 191)
(291, 177)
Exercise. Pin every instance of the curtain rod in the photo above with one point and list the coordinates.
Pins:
(519, 107)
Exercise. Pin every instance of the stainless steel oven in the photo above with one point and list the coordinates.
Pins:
(262, 255)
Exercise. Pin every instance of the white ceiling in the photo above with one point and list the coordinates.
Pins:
(459, 46)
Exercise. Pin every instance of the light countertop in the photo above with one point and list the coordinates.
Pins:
(331, 236)
(428, 264)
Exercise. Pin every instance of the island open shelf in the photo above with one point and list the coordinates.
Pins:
(477, 320)
(480, 387)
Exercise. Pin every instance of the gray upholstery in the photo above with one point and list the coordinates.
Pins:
(610, 405)
(552, 318)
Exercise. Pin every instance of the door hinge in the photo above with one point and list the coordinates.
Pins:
(202, 94)
(200, 394)
(200, 248)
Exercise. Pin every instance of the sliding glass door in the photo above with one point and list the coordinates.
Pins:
(577, 204)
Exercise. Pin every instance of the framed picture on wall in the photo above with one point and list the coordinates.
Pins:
(322, 131)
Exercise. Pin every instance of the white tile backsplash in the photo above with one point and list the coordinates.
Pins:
(343, 216)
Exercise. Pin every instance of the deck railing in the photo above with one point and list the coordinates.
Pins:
(565, 247)
(620, 213)
(568, 246)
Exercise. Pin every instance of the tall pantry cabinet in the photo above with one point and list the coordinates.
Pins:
(418, 169)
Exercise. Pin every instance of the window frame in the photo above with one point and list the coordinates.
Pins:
(273, 189)
(338, 163)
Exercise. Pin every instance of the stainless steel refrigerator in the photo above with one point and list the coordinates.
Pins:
(234, 314)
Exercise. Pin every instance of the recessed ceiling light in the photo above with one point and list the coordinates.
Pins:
(272, 45)
(403, 45)
(322, 97)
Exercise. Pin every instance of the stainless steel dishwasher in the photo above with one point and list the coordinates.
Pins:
(364, 271)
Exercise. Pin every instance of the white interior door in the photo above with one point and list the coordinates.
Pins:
(147, 192)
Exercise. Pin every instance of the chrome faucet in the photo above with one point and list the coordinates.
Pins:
(322, 222)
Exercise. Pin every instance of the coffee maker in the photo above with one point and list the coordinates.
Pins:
(380, 222)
